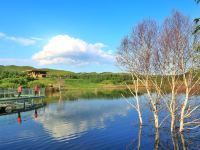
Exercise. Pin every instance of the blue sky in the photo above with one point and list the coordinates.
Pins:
(75, 35)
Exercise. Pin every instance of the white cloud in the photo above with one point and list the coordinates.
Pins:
(19, 40)
(37, 38)
(2, 34)
(63, 49)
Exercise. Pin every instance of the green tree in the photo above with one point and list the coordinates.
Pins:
(197, 20)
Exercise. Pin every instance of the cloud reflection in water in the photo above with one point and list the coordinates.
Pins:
(69, 120)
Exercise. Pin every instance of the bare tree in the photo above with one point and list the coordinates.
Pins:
(124, 59)
(137, 55)
(178, 63)
(171, 44)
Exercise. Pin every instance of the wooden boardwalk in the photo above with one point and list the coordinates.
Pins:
(23, 103)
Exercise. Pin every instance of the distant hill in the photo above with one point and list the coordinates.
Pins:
(51, 72)
(15, 68)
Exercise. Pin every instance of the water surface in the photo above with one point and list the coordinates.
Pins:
(86, 124)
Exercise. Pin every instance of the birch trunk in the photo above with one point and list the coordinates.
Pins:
(138, 103)
(173, 122)
(173, 105)
(182, 117)
(156, 120)
(140, 117)
(153, 104)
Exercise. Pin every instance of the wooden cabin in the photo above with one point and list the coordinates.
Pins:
(37, 73)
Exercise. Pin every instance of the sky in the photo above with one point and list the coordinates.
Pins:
(75, 35)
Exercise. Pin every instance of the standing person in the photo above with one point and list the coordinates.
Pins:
(37, 90)
(19, 90)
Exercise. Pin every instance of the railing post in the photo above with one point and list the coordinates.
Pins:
(24, 104)
(32, 102)
(42, 101)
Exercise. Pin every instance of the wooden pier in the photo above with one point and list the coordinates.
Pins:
(11, 103)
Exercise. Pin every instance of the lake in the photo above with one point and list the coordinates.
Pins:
(88, 124)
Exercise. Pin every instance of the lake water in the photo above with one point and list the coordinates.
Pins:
(88, 124)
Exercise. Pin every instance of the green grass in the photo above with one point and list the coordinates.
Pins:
(81, 83)
(43, 82)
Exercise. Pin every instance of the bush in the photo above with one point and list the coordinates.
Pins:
(8, 85)
(36, 82)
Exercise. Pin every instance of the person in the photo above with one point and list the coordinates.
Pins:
(19, 90)
(37, 90)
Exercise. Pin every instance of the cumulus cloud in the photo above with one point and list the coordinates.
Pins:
(19, 40)
(63, 49)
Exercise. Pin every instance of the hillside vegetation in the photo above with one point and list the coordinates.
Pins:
(12, 76)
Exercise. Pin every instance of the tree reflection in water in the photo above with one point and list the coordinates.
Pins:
(183, 141)
(157, 139)
(165, 141)
(139, 137)
(136, 144)
(174, 137)
(60, 106)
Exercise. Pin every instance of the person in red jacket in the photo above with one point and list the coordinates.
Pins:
(19, 90)
(37, 90)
